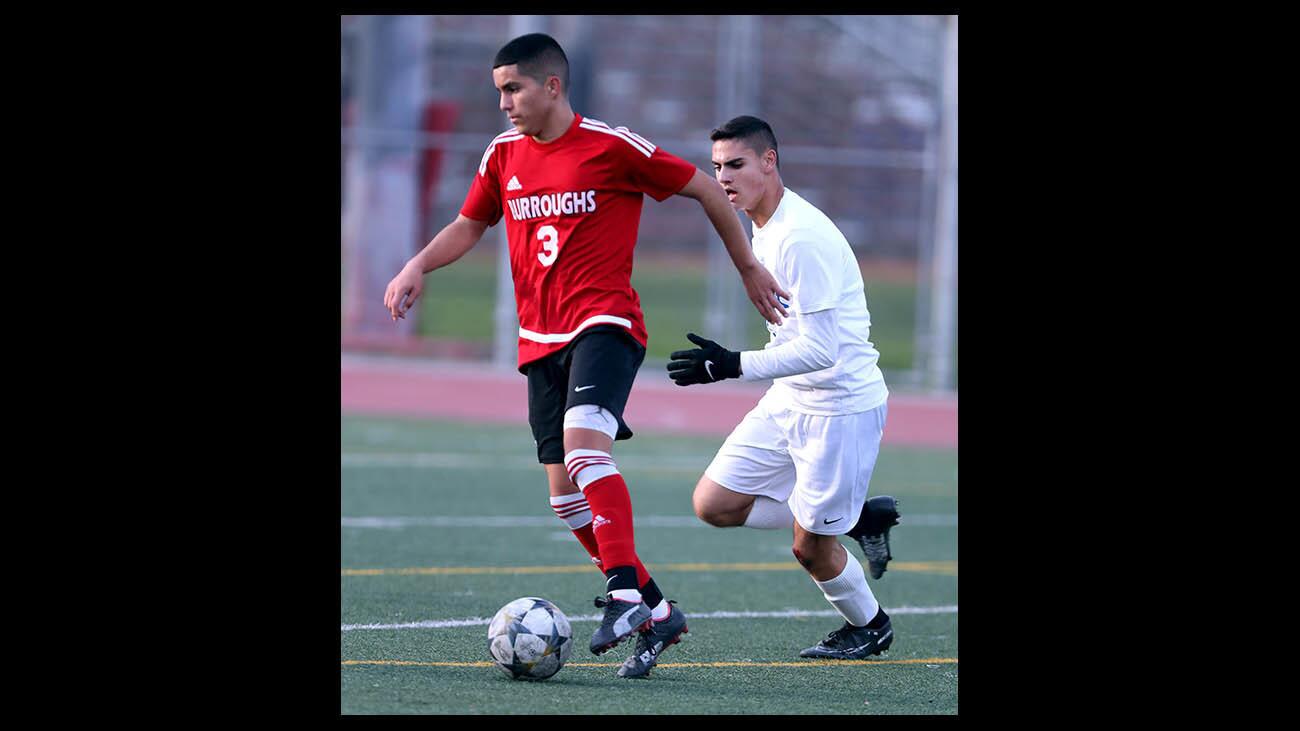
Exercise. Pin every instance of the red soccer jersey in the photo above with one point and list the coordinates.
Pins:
(573, 206)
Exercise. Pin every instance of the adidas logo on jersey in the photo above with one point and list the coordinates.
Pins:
(552, 204)
(514, 184)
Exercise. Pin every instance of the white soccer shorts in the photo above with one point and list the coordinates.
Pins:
(821, 464)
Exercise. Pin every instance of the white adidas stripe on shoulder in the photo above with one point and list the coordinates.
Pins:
(637, 137)
(640, 143)
(507, 136)
(605, 130)
(624, 130)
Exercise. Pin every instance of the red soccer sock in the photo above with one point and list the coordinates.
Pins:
(588, 540)
(586, 537)
(611, 508)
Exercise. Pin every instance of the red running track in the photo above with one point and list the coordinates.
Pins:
(484, 395)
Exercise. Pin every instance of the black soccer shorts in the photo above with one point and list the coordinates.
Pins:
(597, 367)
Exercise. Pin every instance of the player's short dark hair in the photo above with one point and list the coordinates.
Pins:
(752, 131)
(538, 56)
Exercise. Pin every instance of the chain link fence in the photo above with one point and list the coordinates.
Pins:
(864, 109)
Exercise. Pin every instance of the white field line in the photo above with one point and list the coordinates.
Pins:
(484, 621)
(450, 460)
(661, 464)
(550, 521)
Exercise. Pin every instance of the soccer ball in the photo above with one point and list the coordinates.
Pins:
(530, 639)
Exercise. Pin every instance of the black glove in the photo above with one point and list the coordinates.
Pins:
(708, 363)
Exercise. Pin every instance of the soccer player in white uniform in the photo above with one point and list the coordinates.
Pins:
(803, 456)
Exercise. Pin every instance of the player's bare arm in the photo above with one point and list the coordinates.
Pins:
(450, 244)
(759, 283)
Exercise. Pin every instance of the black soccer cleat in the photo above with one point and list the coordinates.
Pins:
(621, 619)
(852, 643)
(879, 514)
(650, 643)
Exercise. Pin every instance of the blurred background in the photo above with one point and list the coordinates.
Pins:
(864, 109)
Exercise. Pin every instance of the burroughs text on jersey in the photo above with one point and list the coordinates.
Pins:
(553, 204)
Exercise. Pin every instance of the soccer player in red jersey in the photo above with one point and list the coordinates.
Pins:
(570, 189)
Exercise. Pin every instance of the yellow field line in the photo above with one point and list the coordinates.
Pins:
(948, 568)
(805, 663)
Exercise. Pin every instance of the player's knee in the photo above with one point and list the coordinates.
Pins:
(812, 550)
(803, 548)
(591, 417)
(805, 561)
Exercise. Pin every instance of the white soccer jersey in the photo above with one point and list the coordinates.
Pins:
(813, 261)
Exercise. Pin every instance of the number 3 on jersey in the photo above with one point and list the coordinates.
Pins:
(550, 245)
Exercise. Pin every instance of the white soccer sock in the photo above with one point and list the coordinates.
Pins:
(768, 513)
(850, 595)
(661, 611)
(585, 466)
(626, 595)
(572, 509)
